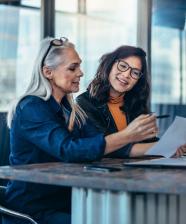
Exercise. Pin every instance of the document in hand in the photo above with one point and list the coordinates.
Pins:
(174, 137)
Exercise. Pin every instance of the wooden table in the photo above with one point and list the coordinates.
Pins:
(130, 196)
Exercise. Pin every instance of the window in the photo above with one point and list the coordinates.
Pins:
(66, 6)
(20, 37)
(100, 28)
(168, 60)
(168, 52)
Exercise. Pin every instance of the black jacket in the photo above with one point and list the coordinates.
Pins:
(101, 117)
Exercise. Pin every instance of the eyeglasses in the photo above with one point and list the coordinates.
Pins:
(56, 43)
(123, 66)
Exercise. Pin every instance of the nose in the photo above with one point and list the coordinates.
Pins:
(80, 73)
(127, 73)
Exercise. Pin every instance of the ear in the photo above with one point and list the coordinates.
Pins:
(47, 72)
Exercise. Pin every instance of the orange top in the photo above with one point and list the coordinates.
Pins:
(118, 115)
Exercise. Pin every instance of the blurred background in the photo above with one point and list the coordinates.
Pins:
(97, 27)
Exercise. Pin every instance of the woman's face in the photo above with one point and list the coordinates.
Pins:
(66, 77)
(122, 82)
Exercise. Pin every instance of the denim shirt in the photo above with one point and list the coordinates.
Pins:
(39, 134)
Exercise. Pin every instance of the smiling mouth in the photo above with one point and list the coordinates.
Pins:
(122, 81)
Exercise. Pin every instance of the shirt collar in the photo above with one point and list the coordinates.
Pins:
(56, 106)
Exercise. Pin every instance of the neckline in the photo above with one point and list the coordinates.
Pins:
(116, 100)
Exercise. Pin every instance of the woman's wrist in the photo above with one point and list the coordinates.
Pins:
(116, 141)
(140, 149)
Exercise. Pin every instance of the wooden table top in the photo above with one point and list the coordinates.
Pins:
(130, 179)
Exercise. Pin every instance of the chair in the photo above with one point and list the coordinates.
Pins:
(4, 143)
(4, 154)
(4, 140)
(8, 212)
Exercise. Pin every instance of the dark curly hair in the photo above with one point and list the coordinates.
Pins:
(137, 99)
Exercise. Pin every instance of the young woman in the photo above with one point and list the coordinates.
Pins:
(118, 94)
(46, 126)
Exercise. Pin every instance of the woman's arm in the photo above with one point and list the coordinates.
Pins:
(40, 127)
(37, 124)
(140, 149)
(143, 127)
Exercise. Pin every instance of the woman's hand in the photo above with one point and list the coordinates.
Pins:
(141, 128)
(180, 151)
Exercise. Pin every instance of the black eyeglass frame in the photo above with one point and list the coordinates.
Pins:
(56, 43)
(129, 67)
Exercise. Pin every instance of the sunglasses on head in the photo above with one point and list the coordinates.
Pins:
(55, 43)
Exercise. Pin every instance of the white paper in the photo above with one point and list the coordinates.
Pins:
(174, 137)
(174, 162)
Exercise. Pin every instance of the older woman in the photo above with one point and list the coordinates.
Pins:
(46, 126)
(119, 94)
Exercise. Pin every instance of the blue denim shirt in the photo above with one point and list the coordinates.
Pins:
(39, 134)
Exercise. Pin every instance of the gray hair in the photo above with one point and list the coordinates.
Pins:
(40, 86)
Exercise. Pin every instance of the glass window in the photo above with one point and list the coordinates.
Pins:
(168, 60)
(33, 3)
(66, 6)
(118, 11)
(20, 37)
(168, 53)
(100, 29)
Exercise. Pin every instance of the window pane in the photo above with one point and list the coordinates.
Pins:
(20, 36)
(102, 29)
(166, 65)
(66, 6)
(119, 10)
(168, 60)
(168, 53)
(33, 3)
